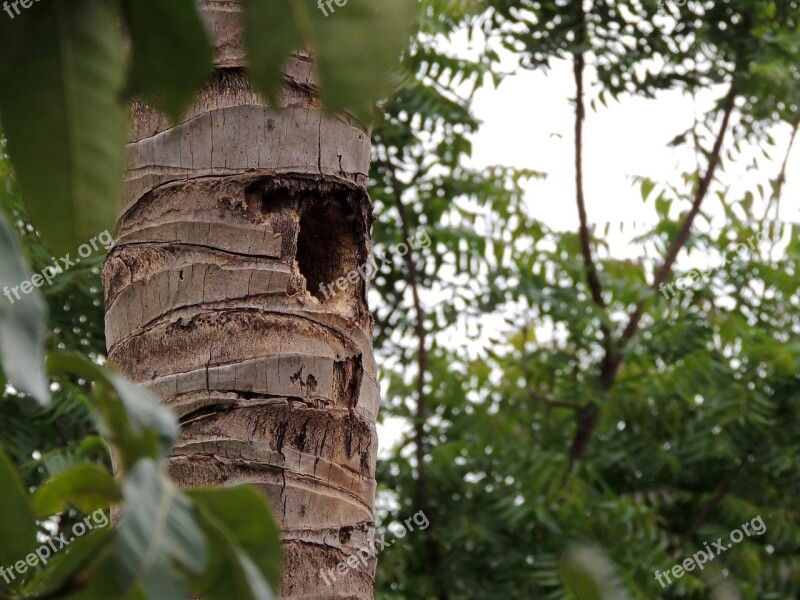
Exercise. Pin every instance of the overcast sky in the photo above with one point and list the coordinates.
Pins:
(528, 122)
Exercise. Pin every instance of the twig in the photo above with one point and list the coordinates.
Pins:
(779, 181)
(592, 277)
(560, 404)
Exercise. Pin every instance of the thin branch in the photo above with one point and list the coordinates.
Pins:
(423, 488)
(588, 417)
(561, 404)
(779, 181)
(712, 504)
(683, 234)
(592, 277)
(586, 249)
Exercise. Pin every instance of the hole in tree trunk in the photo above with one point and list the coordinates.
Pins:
(323, 226)
(327, 251)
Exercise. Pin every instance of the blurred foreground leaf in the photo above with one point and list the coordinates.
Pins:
(171, 52)
(245, 544)
(23, 322)
(63, 114)
(353, 45)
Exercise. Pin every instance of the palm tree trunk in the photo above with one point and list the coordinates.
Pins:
(233, 224)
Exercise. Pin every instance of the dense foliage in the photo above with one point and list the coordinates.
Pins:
(609, 412)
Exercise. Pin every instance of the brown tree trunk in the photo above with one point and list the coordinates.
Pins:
(232, 225)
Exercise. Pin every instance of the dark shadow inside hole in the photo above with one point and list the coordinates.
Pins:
(326, 248)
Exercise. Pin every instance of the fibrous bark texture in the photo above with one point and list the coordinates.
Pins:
(230, 223)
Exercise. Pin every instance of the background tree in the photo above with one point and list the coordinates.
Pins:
(637, 428)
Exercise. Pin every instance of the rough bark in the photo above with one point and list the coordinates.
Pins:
(230, 222)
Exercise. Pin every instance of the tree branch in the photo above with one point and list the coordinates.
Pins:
(586, 250)
(712, 504)
(777, 191)
(781, 179)
(683, 234)
(423, 487)
(561, 404)
(588, 417)
(592, 277)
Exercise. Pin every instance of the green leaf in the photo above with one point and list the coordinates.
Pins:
(159, 540)
(336, 35)
(79, 556)
(139, 424)
(23, 322)
(662, 207)
(271, 33)
(172, 55)
(18, 526)
(92, 444)
(136, 422)
(63, 114)
(245, 544)
(231, 573)
(88, 487)
(588, 575)
(647, 187)
(747, 202)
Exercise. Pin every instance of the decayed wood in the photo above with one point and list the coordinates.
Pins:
(229, 223)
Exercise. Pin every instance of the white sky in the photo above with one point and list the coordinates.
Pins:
(528, 122)
(626, 139)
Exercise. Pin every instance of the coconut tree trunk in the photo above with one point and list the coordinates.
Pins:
(233, 225)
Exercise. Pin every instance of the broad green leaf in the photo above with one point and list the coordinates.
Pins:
(272, 31)
(136, 422)
(14, 35)
(140, 425)
(17, 525)
(159, 540)
(231, 572)
(245, 543)
(88, 487)
(337, 36)
(350, 76)
(92, 444)
(23, 321)
(171, 52)
(65, 119)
